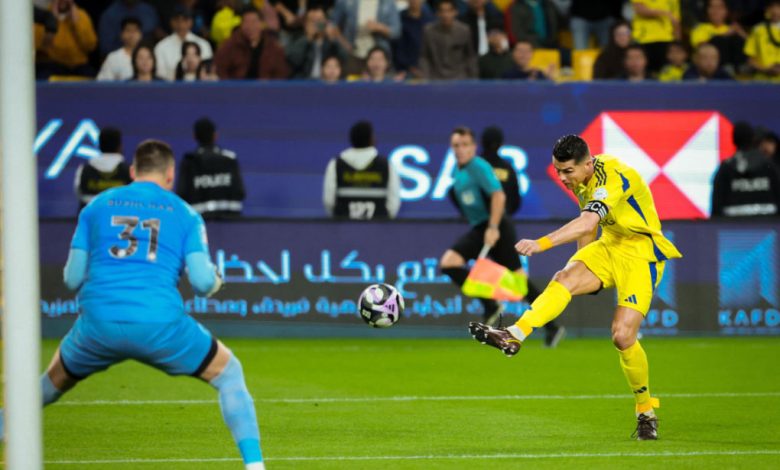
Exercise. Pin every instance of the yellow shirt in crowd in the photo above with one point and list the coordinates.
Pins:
(763, 48)
(703, 32)
(646, 29)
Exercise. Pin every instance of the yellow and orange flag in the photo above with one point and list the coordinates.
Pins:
(490, 280)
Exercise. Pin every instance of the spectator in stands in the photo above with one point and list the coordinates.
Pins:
(746, 184)
(225, 20)
(144, 64)
(209, 178)
(207, 71)
(763, 45)
(291, 12)
(251, 52)
(705, 65)
(481, 16)
(406, 49)
(360, 184)
(588, 18)
(119, 65)
(447, 51)
(533, 20)
(769, 145)
(306, 53)
(332, 69)
(364, 24)
(228, 17)
(656, 24)
(676, 63)
(522, 55)
(635, 64)
(611, 61)
(187, 68)
(107, 170)
(111, 22)
(498, 60)
(67, 51)
(378, 67)
(168, 52)
(729, 38)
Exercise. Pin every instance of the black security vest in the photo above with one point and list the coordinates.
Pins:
(94, 181)
(362, 194)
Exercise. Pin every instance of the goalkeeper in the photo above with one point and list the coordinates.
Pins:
(130, 247)
(478, 194)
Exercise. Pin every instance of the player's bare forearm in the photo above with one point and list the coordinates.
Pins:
(579, 228)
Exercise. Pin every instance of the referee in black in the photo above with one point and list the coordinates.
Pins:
(492, 140)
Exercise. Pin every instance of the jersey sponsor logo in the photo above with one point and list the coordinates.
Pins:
(675, 152)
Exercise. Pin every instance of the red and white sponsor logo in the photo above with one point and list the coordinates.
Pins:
(676, 152)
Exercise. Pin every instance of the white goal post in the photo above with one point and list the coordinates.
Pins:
(20, 287)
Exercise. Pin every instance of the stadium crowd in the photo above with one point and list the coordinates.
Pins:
(397, 40)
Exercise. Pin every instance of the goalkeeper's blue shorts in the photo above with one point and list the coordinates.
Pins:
(182, 347)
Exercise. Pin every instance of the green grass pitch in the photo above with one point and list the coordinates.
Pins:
(434, 404)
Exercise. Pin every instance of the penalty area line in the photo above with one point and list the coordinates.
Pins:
(348, 458)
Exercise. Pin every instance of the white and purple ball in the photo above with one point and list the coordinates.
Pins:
(380, 305)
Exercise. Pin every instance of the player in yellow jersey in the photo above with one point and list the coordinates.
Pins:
(630, 255)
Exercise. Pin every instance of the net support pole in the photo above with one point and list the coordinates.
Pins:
(21, 309)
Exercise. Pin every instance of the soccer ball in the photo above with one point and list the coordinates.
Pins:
(380, 305)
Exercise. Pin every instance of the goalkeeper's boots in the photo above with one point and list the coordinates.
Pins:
(646, 428)
(499, 338)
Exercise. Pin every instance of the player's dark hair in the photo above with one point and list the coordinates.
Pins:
(152, 156)
(743, 135)
(571, 147)
(492, 140)
(463, 130)
(361, 135)
(128, 20)
(205, 131)
(110, 140)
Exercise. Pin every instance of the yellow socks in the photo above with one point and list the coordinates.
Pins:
(633, 360)
(545, 308)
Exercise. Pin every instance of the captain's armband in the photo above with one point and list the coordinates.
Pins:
(597, 207)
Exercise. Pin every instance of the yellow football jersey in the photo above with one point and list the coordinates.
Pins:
(763, 45)
(629, 220)
(703, 32)
(646, 29)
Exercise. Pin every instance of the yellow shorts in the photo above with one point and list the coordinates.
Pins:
(635, 279)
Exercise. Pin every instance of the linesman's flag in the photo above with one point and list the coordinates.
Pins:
(489, 280)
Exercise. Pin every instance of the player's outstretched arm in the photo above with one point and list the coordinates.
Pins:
(579, 228)
(202, 274)
(75, 271)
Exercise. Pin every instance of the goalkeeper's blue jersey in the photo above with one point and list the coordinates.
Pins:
(137, 238)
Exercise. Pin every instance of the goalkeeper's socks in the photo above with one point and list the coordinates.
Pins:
(50, 394)
(238, 410)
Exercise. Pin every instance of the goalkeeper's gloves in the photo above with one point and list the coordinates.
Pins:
(218, 283)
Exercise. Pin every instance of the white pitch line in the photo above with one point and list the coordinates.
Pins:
(356, 458)
(420, 398)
